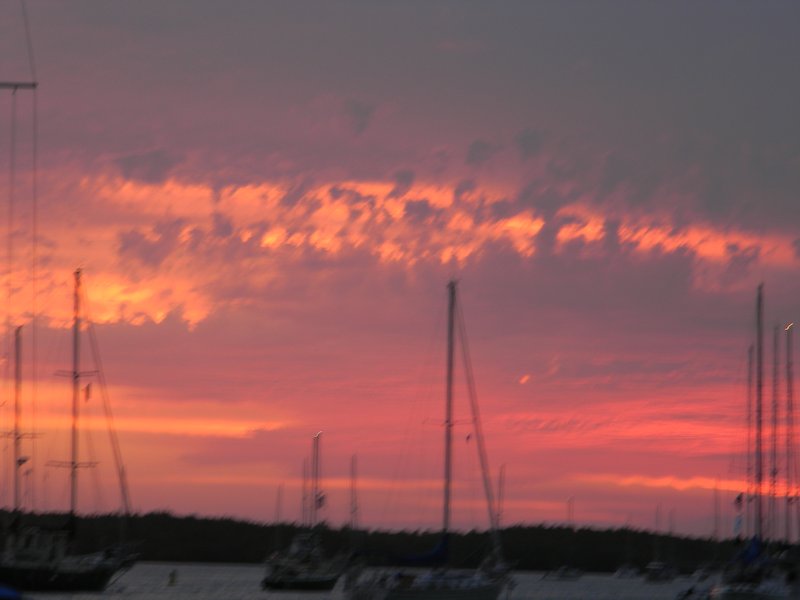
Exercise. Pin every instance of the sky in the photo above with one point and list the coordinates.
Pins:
(267, 200)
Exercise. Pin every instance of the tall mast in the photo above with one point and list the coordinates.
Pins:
(278, 504)
(448, 420)
(76, 376)
(13, 87)
(305, 504)
(316, 495)
(750, 496)
(18, 460)
(715, 532)
(353, 493)
(759, 521)
(773, 486)
(501, 484)
(790, 460)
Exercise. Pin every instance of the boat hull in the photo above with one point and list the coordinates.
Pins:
(768, 591)
(320, 584)
(43, 579)
(487, 591)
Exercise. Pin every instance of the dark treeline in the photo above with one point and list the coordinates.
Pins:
(161, 536)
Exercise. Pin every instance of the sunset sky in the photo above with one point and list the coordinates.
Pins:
(267, 200)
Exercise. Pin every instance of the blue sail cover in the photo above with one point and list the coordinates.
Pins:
(752, 552)
(9, 593)
(435, 557)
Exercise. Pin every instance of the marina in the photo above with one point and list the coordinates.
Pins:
(150, 581)
(278, 219)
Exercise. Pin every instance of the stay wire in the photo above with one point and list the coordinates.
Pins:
(34, 288)
(28, 39)
(12, 166)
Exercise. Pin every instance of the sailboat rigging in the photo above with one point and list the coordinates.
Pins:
(37, 559)
(756, 574)
(492, 577)
(304, 565)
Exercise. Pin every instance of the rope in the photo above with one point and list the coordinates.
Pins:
(12, 166)
(476, 421)
(34, 287)
(98, 490)
(112, 431)
(31, 62)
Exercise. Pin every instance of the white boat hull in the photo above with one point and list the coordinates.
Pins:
(421, 587)
(765, 590)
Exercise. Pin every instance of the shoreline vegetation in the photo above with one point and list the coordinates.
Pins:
(164, 537)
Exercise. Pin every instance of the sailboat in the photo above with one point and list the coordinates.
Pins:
(755, 574)
(304, 565)
(442, 583)
(41, 560)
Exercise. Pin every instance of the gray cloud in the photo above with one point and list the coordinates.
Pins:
(403, 180)
(739, 264)
(222, 225)
(358, 114)
(418, 211)
(149, 167)
(463, 187)
(479, 152)
(296, 192)
(150, 252)
(529, 142)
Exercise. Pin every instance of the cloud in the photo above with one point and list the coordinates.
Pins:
(463, 188)
(222, 227)
(418, 211)
(150, 248)
(403, 181)
(149, 167)
(358, 114)
(480, 152)
(739, 264)
(296, 192)
(529, 143)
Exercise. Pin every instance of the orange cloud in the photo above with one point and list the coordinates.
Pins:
(672, 482)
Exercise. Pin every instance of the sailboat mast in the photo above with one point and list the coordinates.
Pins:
(76, 376)
(501, 485)
(749, 496)
(759, 522)
(790, 460)
(773, 487)
(305, 505)
(448, 421)
(715, 532)
(17, 393)
(353, 493)
(316, 497)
